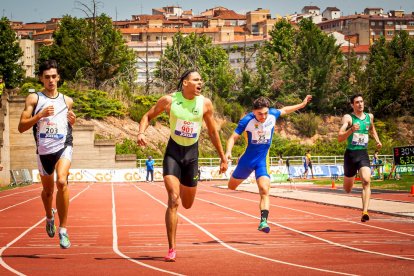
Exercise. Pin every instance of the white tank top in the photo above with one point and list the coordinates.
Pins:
(54, 132)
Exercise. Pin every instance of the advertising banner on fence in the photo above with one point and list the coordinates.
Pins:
(277, 173)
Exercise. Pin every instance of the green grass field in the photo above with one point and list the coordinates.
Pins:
(404, 184)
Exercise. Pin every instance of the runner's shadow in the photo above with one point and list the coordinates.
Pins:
(332, 231)
(238, 242)
(34, 256)
(141, 258)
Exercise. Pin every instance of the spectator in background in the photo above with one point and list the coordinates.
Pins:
(150, 168)
(2, 85)
(308, 164)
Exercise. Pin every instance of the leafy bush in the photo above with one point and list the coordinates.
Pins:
(233, 110)
(129, 146)
(94, 104)
(306, 123)
(141, 105)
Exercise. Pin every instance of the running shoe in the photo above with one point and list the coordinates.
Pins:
(171, 255)
(50, 225)
(64, 240)
(365, 217)
(263, 226)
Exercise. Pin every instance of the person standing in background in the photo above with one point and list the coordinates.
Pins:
(150, 168)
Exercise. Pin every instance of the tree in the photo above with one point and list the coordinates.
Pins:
(90, 49)
(303, 61)
(390, 74)
(196, 52)
(10, 53)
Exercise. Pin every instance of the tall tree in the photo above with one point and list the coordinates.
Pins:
(10, 53)
(90, 49)
(390, 74)
(197, 52)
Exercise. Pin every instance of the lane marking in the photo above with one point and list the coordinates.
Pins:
(17, 204)
(237, 250)
(2, 262)
(319, 215)
(115, 241)
(311, 236)
(20, 192)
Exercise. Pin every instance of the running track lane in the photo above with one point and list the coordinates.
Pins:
(214, 218)
(377, 245)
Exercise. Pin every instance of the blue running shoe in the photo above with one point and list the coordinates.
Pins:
(50, 225)
(263, 226)
(64, 240)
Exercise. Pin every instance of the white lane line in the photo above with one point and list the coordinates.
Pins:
(11, 206)
(20, 192)
(2, 262)
(115, 241)
(312, 236)
(241, 251)
(314, 214)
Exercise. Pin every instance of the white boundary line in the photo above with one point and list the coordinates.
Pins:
(312, 236)
(241, 251)
(319, 215)
(2, 262)
(17, 204)
(115, 241)
(21, 192)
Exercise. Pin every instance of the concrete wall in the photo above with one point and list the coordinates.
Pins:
(18, 150)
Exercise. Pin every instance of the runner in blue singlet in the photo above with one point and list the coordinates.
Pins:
(259, 127)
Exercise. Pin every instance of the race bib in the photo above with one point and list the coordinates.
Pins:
(50, 129)
(186, 129)
(360, 139)
(261, 136)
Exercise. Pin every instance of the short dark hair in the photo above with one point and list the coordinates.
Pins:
(351, 100)
(261, 102)
(46, 65)
(183, 77)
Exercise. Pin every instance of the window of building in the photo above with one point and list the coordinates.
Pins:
(411, 23)
(380, 23)
(390, 32)
(136, 37)
(372, 23)
(390, 23)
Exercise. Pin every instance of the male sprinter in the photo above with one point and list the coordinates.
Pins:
(50, 114)
(259, 126)
(187, 109)
(354, 129)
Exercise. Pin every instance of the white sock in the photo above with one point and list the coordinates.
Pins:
(62, 230)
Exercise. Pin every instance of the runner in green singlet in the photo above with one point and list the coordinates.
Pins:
(187, 109)
(355, 129)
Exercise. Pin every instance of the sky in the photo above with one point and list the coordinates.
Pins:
(42, 10)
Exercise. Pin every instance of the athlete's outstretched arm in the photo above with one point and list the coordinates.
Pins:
(291, 108)
(374, 132)
(213, 133)
(26, 119)
(163, 104)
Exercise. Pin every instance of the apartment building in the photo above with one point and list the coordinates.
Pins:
(369, 27)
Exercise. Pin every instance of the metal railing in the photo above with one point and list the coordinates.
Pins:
(274, 161)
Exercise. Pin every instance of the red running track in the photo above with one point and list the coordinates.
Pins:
(118, 229)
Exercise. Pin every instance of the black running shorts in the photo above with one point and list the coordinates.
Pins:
(355, 160)
(182, 162)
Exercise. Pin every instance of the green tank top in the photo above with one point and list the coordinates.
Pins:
(359, 139)
(186, 118)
